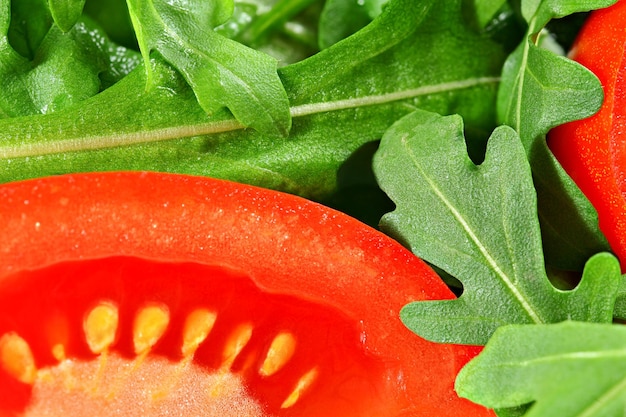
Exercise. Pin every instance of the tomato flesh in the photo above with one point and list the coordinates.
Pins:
(105, 272)
(327, 342)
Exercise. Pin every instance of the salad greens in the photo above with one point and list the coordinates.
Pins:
(434, 112)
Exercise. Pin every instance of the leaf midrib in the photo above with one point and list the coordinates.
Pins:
(86, 143)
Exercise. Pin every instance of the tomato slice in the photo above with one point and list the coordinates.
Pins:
(145, 294)
(593, 150)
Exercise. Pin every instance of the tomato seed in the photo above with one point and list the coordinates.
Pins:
(235, 344)
(303, 384)
(198, 325)
(17, 358)
(150, 324)
(281, 350)
(100, 326)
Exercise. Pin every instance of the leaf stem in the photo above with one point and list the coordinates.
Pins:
(111, 141)
(307, 109)
(522, 76)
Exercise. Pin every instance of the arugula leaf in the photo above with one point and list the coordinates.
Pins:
(620, 302)
(541, 90)
(288, 33)
(567, 369)
(486, 10)
(334, 114)
(30, 21)
(479, 224)
(421, 52)
(66, 12)
(222, 72)
(340, 19)
(281, 12)
(66, 69)
(535, 81)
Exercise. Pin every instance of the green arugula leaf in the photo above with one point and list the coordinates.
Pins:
(281, 12)
(222, 72)
(66, 12)
(485, 10)
(541, 90)
(479, 224)
(340, 19)
(67, 68)
(428, 51)
(334, 114)
(620, 302)
(30, 21)
(568, 369)
(285, 30)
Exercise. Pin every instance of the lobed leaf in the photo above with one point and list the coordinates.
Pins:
(479, 224)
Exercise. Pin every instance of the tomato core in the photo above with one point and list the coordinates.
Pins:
(154, 338)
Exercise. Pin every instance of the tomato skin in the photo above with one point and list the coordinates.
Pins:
(593, 150)
(286, 244)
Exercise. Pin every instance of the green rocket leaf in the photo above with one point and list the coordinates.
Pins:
(66, 68)
(66, 12)
(478, 224)
(568, 370)
(222, 72)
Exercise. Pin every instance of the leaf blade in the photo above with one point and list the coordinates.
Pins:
(222, 72)
(479, 224)
(66, 12)
(570, 368)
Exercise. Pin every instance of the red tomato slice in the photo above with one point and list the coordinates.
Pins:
(144, 294)
(593, 150)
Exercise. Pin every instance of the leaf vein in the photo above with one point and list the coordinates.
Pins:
(124, 139)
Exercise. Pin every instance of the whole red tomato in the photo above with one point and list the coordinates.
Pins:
(143, 294)
(593, 150)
